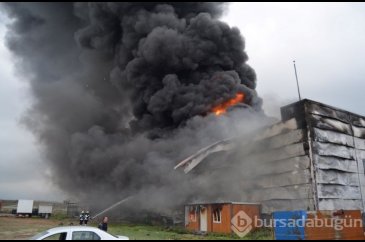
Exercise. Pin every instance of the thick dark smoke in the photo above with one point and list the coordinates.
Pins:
(178, 60)
(123, 91)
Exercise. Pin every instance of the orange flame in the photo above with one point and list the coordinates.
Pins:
(222, 108)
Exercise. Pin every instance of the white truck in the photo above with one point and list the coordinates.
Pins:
(25, 208)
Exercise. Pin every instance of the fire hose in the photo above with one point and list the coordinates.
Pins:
(111, 207)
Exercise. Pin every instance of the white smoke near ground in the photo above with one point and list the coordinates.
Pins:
(124, 91)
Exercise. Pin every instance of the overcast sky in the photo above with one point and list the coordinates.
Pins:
(327, 40)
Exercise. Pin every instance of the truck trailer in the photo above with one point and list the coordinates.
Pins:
(25, 208)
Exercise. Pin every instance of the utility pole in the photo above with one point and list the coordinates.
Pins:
(296, 76)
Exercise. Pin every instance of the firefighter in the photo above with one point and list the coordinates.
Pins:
(82, 218)
(87, 217)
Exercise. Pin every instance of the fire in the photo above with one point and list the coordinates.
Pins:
(222, 108)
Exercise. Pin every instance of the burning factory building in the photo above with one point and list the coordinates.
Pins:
(124, 91)
(312, 160)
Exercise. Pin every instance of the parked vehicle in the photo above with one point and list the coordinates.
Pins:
(45, 211)
(76, 233)
(25, 208)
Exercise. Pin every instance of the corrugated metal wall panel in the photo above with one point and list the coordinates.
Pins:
(336, 177)
(327, 149)
(359, 132)
(338, 191)
(362, 188)
(327, 111)
(360, 144)
(326, 123)
(335, 163)
(336, 146)
(358, 121)
(360, 154)
(334, 204)
(326, 136)
(358, 125)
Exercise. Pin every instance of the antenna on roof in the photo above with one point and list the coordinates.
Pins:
(296, 76)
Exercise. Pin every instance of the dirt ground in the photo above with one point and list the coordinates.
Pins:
(12, 228)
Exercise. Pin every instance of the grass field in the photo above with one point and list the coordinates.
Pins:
(142, 232)
(24, 228)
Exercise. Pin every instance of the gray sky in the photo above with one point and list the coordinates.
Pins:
(327, 40)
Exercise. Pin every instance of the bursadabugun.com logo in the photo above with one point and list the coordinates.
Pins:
(242, 224)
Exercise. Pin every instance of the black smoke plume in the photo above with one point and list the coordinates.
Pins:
(123, 91)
